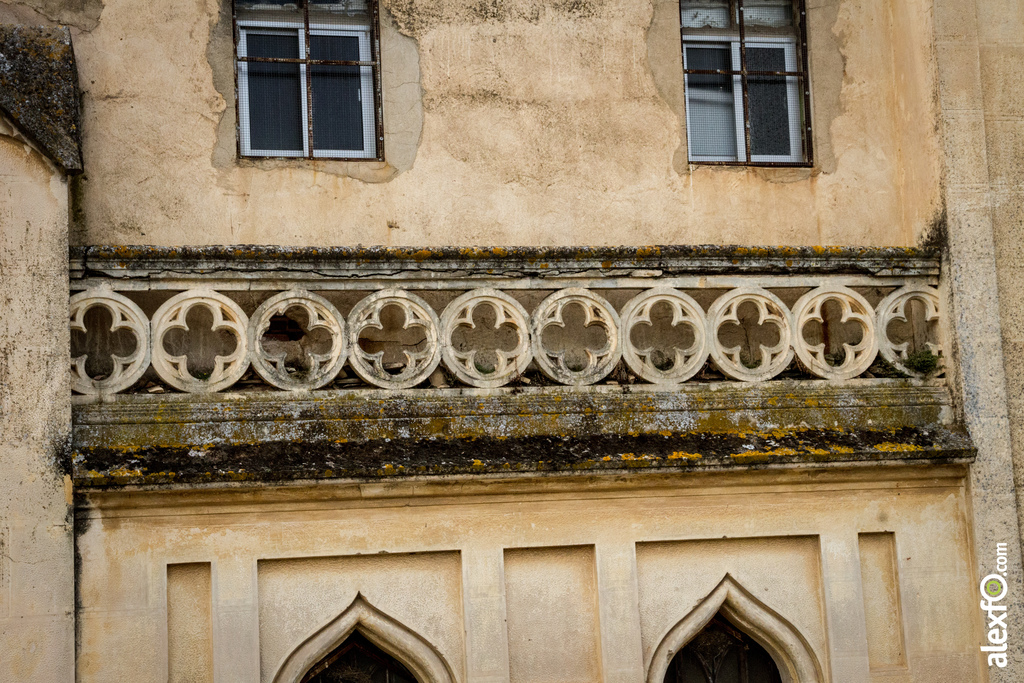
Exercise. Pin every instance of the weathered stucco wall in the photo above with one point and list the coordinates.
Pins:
(36, 554)
(552, 578)
(509, 123)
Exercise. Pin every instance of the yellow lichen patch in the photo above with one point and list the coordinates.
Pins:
(125, 472)
(634, 457)
(750, 455)
(665, 432)
(677, 455)
(890, 447)
(783, 451)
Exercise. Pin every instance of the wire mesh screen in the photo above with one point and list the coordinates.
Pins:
(745, 66)
(308, 79)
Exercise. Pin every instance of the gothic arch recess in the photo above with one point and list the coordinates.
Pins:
(389, 635)
(792, 654)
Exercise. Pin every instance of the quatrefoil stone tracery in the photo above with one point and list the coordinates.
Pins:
(320, 314)
(771, 311)
(893, 308)
(418, 313)
(507, 311)
(686, 312)
(125, 315)
(855, 308)
(227, 316)
(598, 312)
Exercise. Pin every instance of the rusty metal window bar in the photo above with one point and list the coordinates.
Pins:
(748, 98)
(307, 76)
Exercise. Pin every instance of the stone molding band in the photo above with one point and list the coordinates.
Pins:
(587, 365)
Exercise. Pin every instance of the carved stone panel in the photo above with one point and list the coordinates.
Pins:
(917, 307)
(224, 323)
(834, 358)
(126, 318)
(413, 359)
(298, 340)
(501, 348)
(579, 351)
(760, 334)
(682, 348)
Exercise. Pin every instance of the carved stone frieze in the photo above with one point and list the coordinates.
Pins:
(510, 331)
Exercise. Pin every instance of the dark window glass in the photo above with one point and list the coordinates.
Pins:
(769, 102)
(337, 99)
(357, 660)
(712, 122)
(721, 653)
(275, 93)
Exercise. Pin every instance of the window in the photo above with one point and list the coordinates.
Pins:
(721, 653)
(357, 660)
(745, 70)
(308, 79)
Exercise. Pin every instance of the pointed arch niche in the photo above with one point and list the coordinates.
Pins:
(374, 628)
(731, 605)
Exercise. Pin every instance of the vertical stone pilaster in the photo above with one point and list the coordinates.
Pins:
(236, 623)
(848, 639)
(975, 308)
(483, 595)
(621, 647)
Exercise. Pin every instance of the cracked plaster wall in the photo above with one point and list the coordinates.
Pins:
(506, 123)
(36, 555)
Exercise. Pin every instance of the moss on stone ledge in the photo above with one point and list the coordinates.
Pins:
(683, 451)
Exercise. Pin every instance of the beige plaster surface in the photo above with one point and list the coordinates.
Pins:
(512, 123)
(36, 553)
(579, 561)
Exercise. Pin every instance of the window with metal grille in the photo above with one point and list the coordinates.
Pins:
(357, 660)
(308, 79)
(721, 653)
(747, 94)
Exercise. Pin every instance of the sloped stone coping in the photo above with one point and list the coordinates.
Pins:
(229, 437)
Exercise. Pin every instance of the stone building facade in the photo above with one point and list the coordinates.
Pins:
(439, 338)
